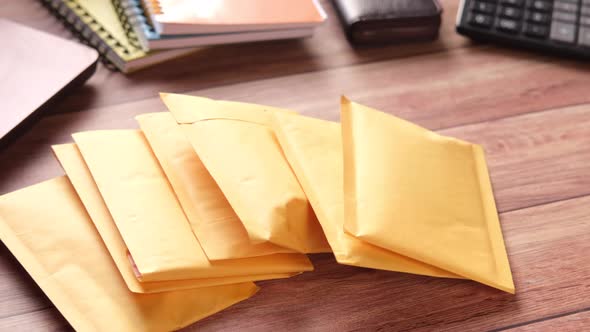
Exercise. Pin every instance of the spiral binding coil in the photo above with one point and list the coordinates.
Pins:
(93, 34)
(121, 10)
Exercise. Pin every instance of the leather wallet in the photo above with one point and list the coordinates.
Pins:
(384, 21)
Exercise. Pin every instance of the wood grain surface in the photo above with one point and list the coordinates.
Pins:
(578, 321)
(530, 112)
(222, 65)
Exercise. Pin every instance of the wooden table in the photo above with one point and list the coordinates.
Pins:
(530, 112)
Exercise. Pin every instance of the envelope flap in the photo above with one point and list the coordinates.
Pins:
(190, 109)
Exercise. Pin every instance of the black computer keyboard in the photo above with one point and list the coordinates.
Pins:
(561, 26)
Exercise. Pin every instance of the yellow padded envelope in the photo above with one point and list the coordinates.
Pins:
(314, 150)
(47, 229)
(150, 219)
(239, 149)
(217, 227)
(422, 195)
(79, 175)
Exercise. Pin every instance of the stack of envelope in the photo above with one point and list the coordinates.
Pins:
(156, 228)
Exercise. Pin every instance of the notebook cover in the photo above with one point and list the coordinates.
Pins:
(36, 67)
(171, 17)
(132, 15)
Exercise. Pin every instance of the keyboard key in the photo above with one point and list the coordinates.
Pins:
(516, 3)
(483, 7)
(511, 12)
(507, 25)
(565, 17)
(563, 32)
(566, 6)
(482, 20)
(541, 5)
(585, 11)
(585, 20)
(584, 36)
(537, 31)
(538, 17)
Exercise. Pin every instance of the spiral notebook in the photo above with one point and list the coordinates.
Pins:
(132, 14)
(135, 14)
(177, 17)
(96, 23)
